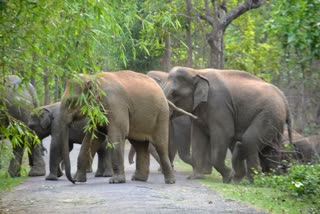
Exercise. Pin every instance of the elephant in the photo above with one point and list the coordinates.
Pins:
(235, 110)
(44, 121)
(308, 149)
(19, 100)
(137, 110)
(305, 149)
(179, 130)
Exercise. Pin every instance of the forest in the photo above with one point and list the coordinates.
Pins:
(47, 42)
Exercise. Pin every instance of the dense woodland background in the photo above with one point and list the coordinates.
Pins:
(48, 41)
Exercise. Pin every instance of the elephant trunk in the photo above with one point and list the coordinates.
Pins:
(64, 136)
(171, 105)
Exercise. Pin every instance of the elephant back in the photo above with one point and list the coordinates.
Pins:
(17, 97)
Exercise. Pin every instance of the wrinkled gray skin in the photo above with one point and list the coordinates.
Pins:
(236, 110)
(20, 101)
(137, 110)
(44, 122)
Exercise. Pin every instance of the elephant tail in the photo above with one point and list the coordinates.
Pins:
(289, 124)
(174, 107)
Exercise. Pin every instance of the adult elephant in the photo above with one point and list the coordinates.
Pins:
(137, 110)
(44, 121)
(236, 110)
(179, 130)
(19, 100)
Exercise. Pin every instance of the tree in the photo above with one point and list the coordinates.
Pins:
(219, 17)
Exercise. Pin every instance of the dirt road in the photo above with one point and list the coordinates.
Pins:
(37, 195)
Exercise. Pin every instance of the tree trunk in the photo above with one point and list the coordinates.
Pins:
(219, 17)
(167, 54)
(216, 42)
(56, 89)
(46, 87)
(188, 33)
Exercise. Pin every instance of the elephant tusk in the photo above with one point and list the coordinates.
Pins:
(181, 110)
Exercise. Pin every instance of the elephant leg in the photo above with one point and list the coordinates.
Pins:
(238, 162)
(38, 167)
(173, 148)
(84, 158)
(153, 152)
(142, 160)
(207, 163)
(161, 146)
(108, 171)
(182, 138)
(54, 161)
(104, 161)
(15, 163)
(219, 142)
(117, 161)
(131, 154)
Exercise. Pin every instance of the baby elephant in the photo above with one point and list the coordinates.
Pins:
(44, 122)
(305, 149)
(308, 149)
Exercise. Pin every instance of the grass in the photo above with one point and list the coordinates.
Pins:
(269, 199)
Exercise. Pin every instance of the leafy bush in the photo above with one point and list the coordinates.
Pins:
(302, 182)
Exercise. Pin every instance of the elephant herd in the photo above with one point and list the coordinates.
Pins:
(199, 114)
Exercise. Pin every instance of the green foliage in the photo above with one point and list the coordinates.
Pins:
(270, 199)
(302, 181)
(89, 101)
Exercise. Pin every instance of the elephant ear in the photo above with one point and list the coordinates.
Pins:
(201, 90)
(46, 118)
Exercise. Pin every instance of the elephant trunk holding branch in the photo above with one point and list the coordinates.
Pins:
(44, 121)
(235, 110)
(20, 100)
(137, 110)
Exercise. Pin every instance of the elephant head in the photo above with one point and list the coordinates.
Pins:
(77, 92)
(40, 121)
(186, 89)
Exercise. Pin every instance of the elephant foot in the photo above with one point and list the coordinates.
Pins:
(108, 173)
(51, 177)
(35, 172)
(89, 170)
(194, 176)
(170, 180)
(80, 177)
(98, 173)
(139, 177)
(227, 178)
(117, 179)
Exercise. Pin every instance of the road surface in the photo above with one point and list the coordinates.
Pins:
(37, 195)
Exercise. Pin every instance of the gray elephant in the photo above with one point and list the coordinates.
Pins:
(137, 110)
(304, 149)
(20, 100)
(235, 110)
(179, 131)
(308, 149)
(44, 121)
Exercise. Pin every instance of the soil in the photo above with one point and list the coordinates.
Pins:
(37, 195)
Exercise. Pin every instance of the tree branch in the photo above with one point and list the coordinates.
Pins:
(239, 10)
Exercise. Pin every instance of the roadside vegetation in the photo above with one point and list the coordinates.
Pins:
(296, 192)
